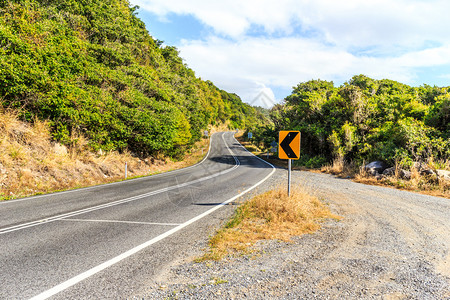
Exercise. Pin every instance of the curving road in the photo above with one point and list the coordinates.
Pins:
(96, 242)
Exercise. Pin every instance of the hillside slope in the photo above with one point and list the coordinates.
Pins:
(91, 69)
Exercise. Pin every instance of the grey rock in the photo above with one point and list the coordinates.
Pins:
(389, 171)
(405, 174)
(420, 166)
(443, 174)
(427, 172)
(376, 167)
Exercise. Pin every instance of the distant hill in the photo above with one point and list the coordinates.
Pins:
(91, 68)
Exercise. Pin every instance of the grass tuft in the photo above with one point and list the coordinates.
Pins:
(272, 215)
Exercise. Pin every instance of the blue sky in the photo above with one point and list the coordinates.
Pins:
(253, 46)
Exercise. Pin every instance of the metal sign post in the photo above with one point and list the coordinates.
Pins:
(289, 177)
(289, 148)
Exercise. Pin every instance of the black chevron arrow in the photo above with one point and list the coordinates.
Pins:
(285, 144)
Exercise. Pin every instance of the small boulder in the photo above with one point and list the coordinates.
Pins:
(389, 171)
(376, 167)
(405, 174)
(443, 174)
(401, 173)
(427, 172)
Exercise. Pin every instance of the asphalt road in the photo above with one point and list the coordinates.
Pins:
(103, 241)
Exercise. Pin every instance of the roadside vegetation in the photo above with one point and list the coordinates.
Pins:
(417, 181)
(272, 215)
(364, 120)
(32, 163)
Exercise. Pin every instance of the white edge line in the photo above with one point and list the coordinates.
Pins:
(121, 222)
(112, 183)
(254, 154)
(74, 280)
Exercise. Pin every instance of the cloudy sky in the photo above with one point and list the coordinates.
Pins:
(253, 46)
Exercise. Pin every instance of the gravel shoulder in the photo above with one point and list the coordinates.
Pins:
(391, 244)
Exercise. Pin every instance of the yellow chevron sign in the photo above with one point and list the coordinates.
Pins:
(289, 145)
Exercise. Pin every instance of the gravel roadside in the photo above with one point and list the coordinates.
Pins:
(391, 244)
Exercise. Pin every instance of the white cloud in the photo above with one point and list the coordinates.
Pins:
(352, 22)
(327, 39)
(426, 58)
(248, 65)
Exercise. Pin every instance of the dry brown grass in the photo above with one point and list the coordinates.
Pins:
(30, 163)
(423, 186)
(427, 185)
(272, 215)
(337, 167)
(340, 168)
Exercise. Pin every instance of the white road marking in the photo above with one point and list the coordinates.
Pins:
(118, 202)
(67, 284)
(253, 154)
(123, 222)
